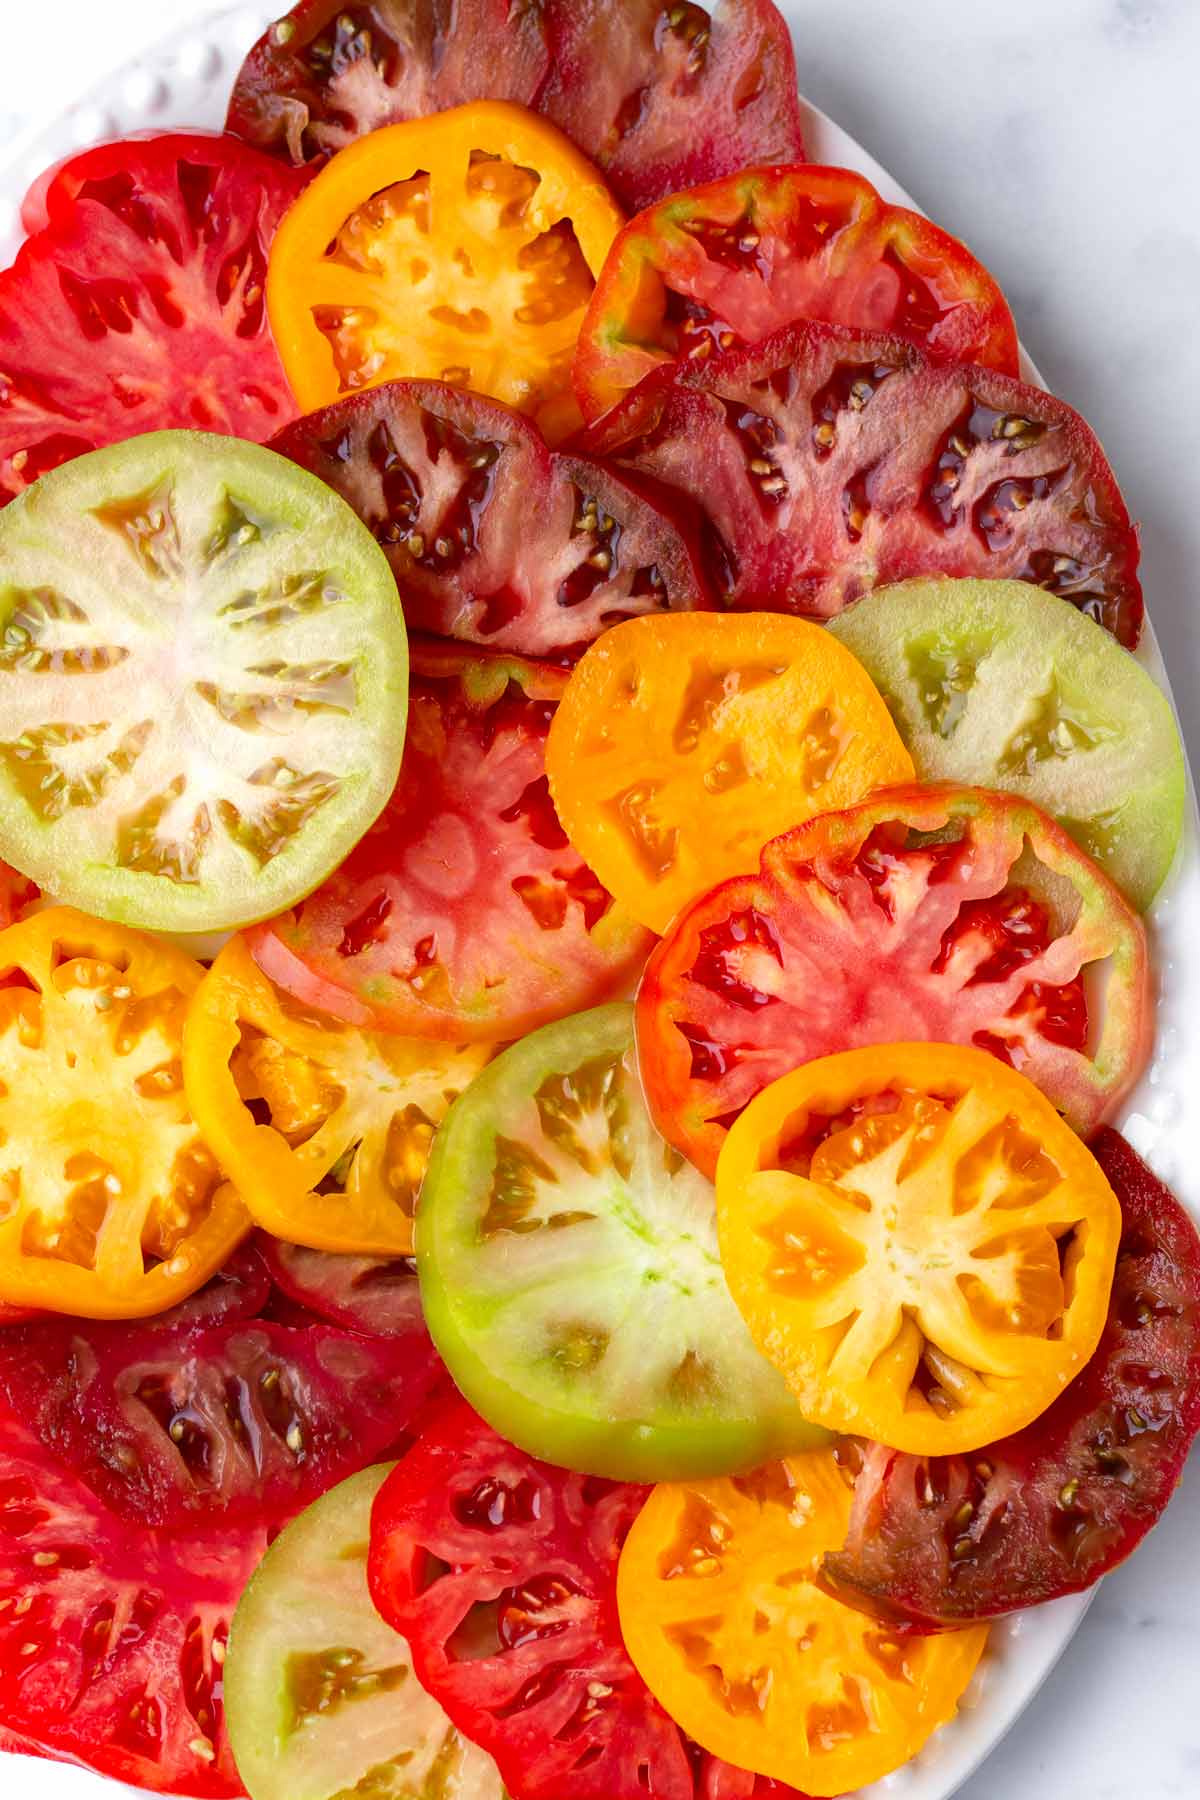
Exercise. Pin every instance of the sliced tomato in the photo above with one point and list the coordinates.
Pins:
(464, 913)
(492, 536)
(375, 1295)
(328, 72)
(140, 303)
(936, 1541)
(954, 914)
(735, 260)
(500, 1571)
(664, 95)
(825, 462)
(240, 1290)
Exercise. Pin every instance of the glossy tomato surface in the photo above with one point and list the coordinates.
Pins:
(936, 1541)
(824, 462)
(464, 913)
(139, 303)
(375, 1295)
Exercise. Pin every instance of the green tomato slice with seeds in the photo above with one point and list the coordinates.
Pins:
(203, 682)
(571, 1277)
(1000, 684)
(321, 1700)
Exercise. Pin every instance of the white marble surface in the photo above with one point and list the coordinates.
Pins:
(1060, 137)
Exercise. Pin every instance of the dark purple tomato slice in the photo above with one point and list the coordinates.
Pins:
(824, 462)
(664, 96)
(376, 1296)
(500, 1571)
(492, 536)
(941, 1541)
(139, 304)
(328, 72)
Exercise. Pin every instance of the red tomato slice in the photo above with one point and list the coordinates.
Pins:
(112, 1640)
(935, 1543)
(825, 462)
(938, 914)
(139, 305)
(464, 913)
(664, 97)
(501, 1573)
(492, 536)
(378, 1297)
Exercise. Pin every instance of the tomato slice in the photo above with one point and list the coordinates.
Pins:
(500, 1572)
(733, 261)
(463, 247)
(493, 537)
(726, 1625)
(683, 745)
(375, 1295)
(953, 914)
(139, 303)
(203, 669)
(919, 1243)
(1001, 684)
(663, 97)
(321, 1698)
(825, 462)
(934, 1542)
(464, 913)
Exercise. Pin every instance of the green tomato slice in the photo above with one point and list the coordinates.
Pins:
(321, 1701)
(203, 682)
(1000, 684)
(571, 1277)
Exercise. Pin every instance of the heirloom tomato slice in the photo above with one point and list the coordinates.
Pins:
(683, 745)
(733, 261)
(378, 1296)
(327, 72)
(462, 248)
(138, 302)
(501, 1571)
(323, 1129)
(571, 1277)
(493, 537)
(825, 462)
(111, 1205)
(320, 1693)
(724, 1620)
(936, 1541)
(464, 913)
(919, 1243)
(203, 676)
(1003, 684)
(947, 913)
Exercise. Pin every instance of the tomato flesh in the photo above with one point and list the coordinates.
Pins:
(934, 1542)
(375, 1295)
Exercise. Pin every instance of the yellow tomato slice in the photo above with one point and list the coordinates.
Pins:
(462, 247)
(324, 1129)
(918, 1241)
(723, 1616)
(111, 1206)
(685, 743)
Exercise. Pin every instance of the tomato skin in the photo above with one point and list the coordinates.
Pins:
(825, 462)
(1071, 1496)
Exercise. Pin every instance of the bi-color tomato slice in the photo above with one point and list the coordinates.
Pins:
(462, 248)
(724, 1620)
(934, 1542)
(1003, 685)
(203, 679)
(825, 462)
(464, 913)
(492, 536)
(919, 1242)
(320, 1693)
(733, 261)
(500, 1571)
(571, 1277)
(947, 913)
(138, 302)
(683, 745)
(323, 1129)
